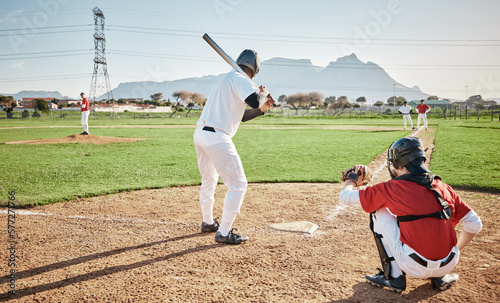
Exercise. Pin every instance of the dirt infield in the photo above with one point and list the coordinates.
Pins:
(145, 246)
(78, 139)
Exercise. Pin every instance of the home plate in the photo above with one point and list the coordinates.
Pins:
(299, 226)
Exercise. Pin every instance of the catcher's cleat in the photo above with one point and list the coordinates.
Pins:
(231, 238)
(445, 282)
(209, 228)
(395, 284)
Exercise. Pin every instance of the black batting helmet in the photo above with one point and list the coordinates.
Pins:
(408, 152)
(250, 59)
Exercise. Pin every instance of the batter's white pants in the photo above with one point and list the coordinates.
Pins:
(217, 155)
(407, 117)
(385, 223)
(422, 116)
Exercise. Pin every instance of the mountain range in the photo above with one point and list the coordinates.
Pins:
(347, 76)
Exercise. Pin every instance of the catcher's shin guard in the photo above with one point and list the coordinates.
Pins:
(384, 258)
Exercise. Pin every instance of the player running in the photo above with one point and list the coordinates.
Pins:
(217, 156)
(412, 218)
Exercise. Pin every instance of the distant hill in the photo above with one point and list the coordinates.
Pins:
(35, 94)
(347, 76)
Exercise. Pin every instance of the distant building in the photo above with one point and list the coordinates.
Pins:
(69, 102)
(30, 102)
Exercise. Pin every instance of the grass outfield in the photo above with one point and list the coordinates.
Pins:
(46, 173)
(294, 150)
(467, 154)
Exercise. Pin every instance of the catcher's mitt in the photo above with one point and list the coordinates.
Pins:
(361, 175)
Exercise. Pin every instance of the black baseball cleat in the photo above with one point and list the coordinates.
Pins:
(395, 284)
(445, 282)
(231, 238)
(209, 228)
(413, 128)
(84, 133)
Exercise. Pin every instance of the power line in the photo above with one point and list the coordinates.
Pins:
(45, 27)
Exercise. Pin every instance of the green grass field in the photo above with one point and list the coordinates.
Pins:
(468, 155)
(287, 150)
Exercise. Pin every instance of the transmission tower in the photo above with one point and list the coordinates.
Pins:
(100, 80)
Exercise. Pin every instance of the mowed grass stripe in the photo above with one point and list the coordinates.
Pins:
(467, 155)
(47, 173)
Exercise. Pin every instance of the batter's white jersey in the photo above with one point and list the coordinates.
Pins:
(226, 102)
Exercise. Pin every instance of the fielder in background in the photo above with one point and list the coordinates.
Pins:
(217, 156)
(406, 110)
(412, 218)
(422, 110)
(85, 114)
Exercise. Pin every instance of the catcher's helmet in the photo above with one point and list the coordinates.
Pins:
(250, 59)
(408, 152)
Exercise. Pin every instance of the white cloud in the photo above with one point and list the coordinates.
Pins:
(11, 16)
(17, 65)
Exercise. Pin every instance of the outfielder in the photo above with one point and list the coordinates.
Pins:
(406, 110)
(422, 110)
(85, 114)
(412, 218)
(217, 155)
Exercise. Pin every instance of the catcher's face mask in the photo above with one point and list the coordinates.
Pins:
(390, 159)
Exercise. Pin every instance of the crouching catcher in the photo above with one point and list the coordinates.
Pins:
(412, 217)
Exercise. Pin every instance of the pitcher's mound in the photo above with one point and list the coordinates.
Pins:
(78, 139)
(299, 226)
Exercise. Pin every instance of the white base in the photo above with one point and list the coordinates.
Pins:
(299, 226)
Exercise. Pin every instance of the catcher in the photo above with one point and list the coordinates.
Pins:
(412, 218)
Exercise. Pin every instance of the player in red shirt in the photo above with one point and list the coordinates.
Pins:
(412, 218)
(422, 110)
(85, 114)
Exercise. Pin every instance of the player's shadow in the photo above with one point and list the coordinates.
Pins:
(363, 292)
(99, 273)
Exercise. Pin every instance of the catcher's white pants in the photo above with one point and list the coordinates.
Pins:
(407, 117)
(385, 223)
(217, 155)
(422, 116)
(85, 120)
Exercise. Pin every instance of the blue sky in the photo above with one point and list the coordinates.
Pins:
(441, 46)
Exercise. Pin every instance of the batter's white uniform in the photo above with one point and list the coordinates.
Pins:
(217, 155)
(406, 110)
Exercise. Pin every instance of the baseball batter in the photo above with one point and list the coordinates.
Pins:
(422, 110)
(217, 156)
(85, 114)
(406, 110)
(412, 218)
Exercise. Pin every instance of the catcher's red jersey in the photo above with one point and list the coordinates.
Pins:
(432, 238)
